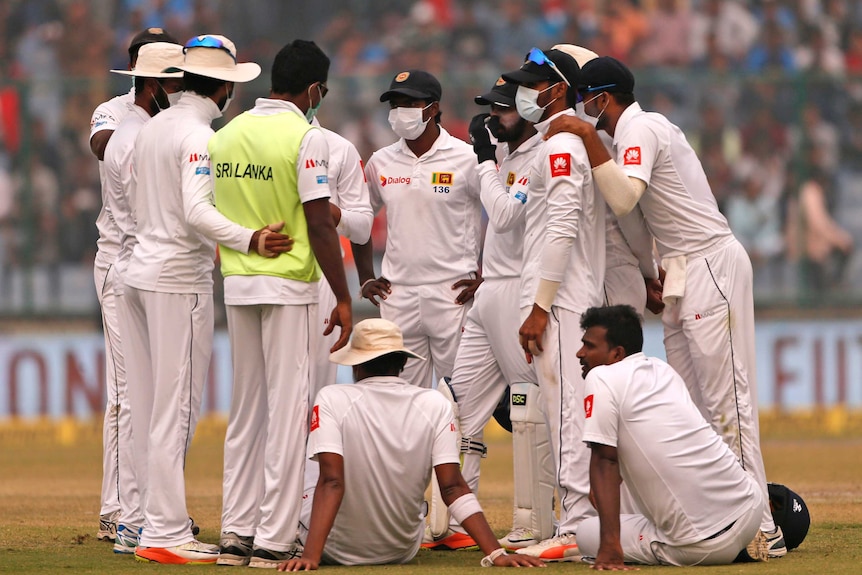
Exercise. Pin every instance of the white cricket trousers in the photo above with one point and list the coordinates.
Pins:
(119, 486)
(431, 323)
(558, 371)
(643, 543)
(264, 451)
(170, 340)
(489, 358)
(709, 340)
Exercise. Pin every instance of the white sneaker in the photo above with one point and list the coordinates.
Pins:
(559, 548)
(193, 552)
(518, 538)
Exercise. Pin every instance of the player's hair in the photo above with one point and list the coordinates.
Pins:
(297, 66)
(388, 364)
(201, 85)
(622, 323)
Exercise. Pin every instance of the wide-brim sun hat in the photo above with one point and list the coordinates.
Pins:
(154, 59)
(214, 56)
(372, 338)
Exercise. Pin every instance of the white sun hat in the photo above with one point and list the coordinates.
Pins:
(154, 59)
(371, 339)
(214, 56)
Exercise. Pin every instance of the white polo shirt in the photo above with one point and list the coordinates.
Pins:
(173, 199)
(117, 185)
(433, 210)
(678, 204)
(348, 188)
(504, 196)
(681, 474)
(565, 227)
(390, 434)
(107, 116)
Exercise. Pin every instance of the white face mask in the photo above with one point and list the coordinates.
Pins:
(527, 103)
(407, 122)
(175, 97)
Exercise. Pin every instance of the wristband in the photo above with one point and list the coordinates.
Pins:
(362, 287)
(488, 560)
(464, 507)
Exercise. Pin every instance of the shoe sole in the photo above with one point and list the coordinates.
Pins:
(165, 557)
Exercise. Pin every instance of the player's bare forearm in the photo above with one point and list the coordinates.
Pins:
(328, 495)
(605, 485)
(596, 149)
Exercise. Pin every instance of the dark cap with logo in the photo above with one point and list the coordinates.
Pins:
(149, 36)
(532, 72)
(416, 84)
(502, 94)
(606, 74)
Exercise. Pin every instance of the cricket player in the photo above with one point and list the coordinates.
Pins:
(154, 91)
(271, 164)
(563, 271)
(429, 184)
(709, 304)
(376, 442)
(694, 503)
(169, 290)
(115, 465)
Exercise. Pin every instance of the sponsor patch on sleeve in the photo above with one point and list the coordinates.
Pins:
(322, 179)
(315, 418)
(202, 171)
(588, 405)
(561, 165)
(632, 156)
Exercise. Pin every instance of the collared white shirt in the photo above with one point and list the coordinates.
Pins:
(504, 196)
(433, 210)
(565, 226)
(266, 289)
(117, 186)
(678, 204)
(107, 116)
(681, 474)
(390, 434)
(173, 201)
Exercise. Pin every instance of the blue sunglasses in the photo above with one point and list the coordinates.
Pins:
(207, 42)
(536, 56)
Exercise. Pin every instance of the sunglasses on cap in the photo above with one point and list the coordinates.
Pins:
(536, 56)
(208, 42)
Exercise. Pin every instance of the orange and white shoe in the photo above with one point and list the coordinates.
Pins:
(559, 548)
(450, 542)
(193, 552)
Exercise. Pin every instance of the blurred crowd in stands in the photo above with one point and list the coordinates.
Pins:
(768, 91)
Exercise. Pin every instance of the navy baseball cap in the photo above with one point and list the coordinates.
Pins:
(606, 74)
(502, 94)
(549, 65)
(416, 84)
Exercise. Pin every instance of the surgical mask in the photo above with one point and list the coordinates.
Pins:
(312, 110)
(407, 122)
(527, 103)
(227, 102)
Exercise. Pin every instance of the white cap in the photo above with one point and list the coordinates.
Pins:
(214, 56)
(371, 339)
(154, 59)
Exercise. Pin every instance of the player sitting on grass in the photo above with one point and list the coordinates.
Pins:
(376, 442)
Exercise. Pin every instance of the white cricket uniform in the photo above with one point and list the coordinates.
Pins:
(489, 357)
(709, 331)
(350, 193)
(564, 242)
(118, 175)
(698, 506)
(271, 324)
(433, 225)
(390, 434)
(116, 425)
(169, 299)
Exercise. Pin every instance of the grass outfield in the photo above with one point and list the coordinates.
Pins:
(50, 473)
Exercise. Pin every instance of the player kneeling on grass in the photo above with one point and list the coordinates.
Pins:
(376, 442)
(694, 503)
